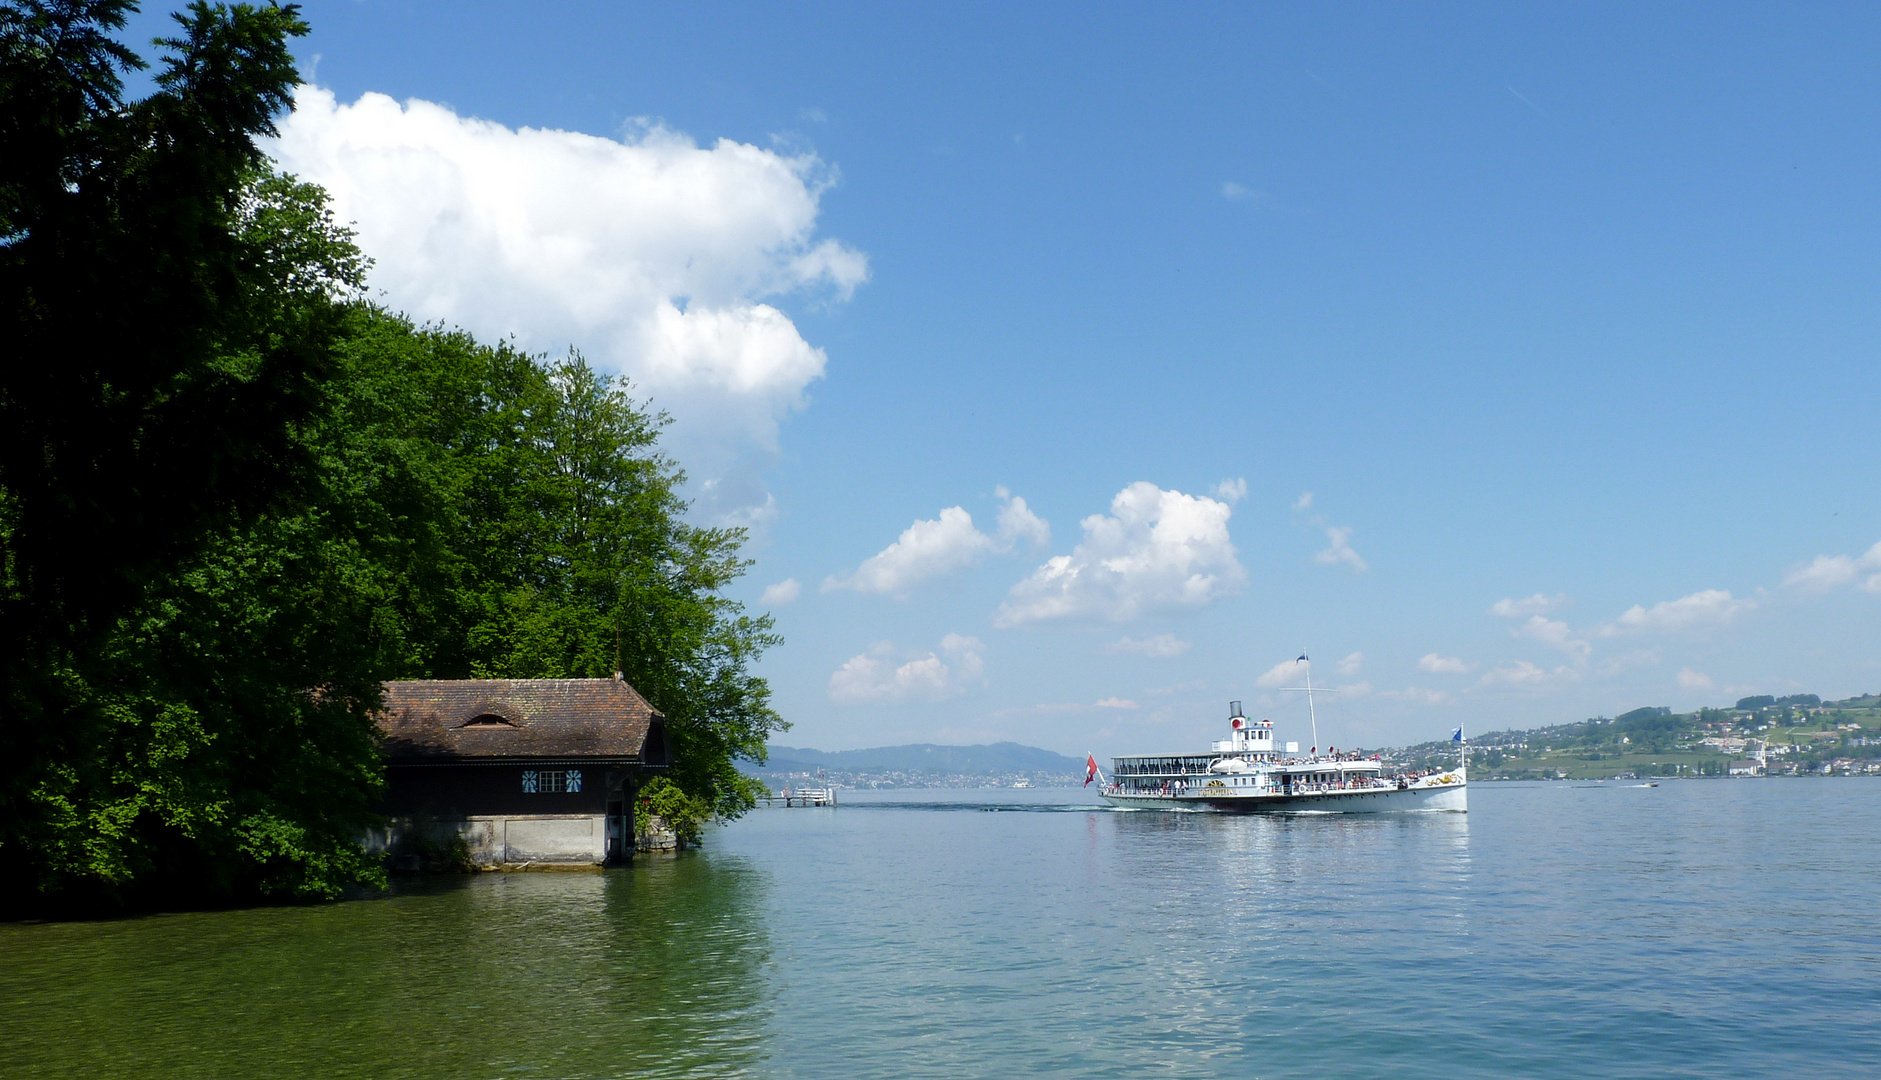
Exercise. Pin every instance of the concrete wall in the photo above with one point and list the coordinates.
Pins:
(509, 841)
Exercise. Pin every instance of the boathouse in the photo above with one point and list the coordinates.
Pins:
(515, 772)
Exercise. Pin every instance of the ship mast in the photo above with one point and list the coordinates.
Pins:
(1310, 690)
(1310, 713)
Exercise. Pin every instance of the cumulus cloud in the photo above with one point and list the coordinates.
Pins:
(1699, 611)
(781, 593)
(934, 676)
(1444, 665)
(1155, 550)
(1162, 645)
(1283, 673)
(1538, 604)
(1231, 491)
(1018, 522)
(1524, 675)
(1556, 633)
(925, 549)
(1694, 680)
(1304, 502)
(1828, 572)
(934, 546)
(655, 255)
(1351, 664)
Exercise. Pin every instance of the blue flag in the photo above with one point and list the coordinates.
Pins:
(1457, 735)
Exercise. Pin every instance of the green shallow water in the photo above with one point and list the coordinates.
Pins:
(1696, 929)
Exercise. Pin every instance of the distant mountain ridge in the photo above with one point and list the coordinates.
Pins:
(1005, 757)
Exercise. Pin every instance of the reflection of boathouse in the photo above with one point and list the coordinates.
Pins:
(522, 771)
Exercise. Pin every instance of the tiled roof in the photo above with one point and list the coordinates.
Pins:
(432, 720)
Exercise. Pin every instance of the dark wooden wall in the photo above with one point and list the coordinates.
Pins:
(453, 791)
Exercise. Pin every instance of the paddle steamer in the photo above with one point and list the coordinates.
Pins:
(1245, 773)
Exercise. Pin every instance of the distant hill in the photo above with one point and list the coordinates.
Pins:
(998, 758)
(1798, 733)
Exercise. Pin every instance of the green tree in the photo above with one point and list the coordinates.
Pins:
(216, 739)
(160, 369)
(173, 313)
(567, 550)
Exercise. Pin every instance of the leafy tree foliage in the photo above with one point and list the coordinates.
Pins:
(165, 356)
(546, 538)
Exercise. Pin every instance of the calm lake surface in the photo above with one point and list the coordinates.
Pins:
(1723, 928)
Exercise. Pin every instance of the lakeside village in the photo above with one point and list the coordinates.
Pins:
(1796, 735)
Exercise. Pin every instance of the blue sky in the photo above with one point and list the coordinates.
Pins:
(1565, 312)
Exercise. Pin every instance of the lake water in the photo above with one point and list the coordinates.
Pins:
(1723, 928)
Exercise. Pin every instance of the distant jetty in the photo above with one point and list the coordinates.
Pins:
(804, 796)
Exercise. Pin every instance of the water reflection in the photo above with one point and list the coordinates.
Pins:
(1239, 925)
(655, 971)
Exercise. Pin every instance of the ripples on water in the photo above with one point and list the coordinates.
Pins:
(1696, 929)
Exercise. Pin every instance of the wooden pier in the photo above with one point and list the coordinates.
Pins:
(823, 796)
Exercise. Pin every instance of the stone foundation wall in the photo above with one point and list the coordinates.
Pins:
(511, 841)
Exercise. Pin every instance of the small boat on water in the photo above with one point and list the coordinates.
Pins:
(1245, 774)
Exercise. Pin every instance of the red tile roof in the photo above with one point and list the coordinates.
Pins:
(434, 720)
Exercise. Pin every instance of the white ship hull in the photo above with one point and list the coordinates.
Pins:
(1429, 795)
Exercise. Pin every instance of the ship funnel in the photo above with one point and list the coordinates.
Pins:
(1234, 711)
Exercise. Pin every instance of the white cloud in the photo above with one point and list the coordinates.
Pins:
(1694, 680)
(781, 593)
(925, 549)
(1526, 675)
(1700, 610)
(1444, 665)
(1827, 572)
(1556, 633)
(1117, 703)
(1233, 191)
(1287, 671)
(1162, 645)
(1538, 604)
(1419, 696)
(652, 254)
(1351, 664)
(935, 676)
(1017, 521)
(934, 546)
(1304, 502)
(1339, 549)
(1155, 550)
(1231, 491)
